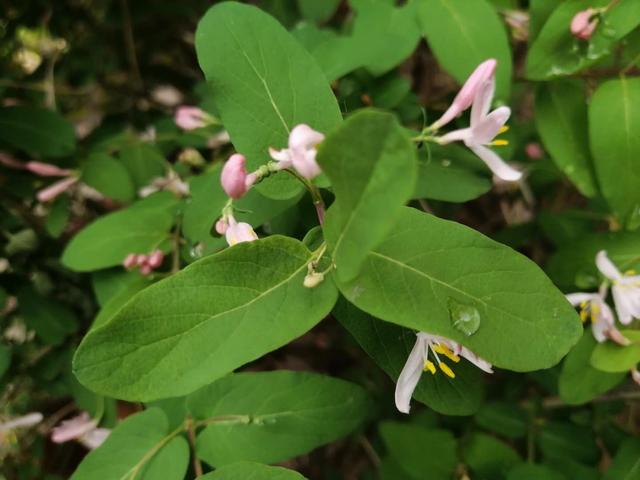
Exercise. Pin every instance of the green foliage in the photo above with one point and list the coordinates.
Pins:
(254, 471)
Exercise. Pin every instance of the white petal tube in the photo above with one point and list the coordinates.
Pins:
(606, 266)
(410, 375)
(496, 164)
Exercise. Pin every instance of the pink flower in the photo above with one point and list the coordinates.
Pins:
(154, 260)
(190, 118)
(47, 170)
(56, 189)
(239, 232)
(73, 428)
(584, 24)
(221, 226)
(234, 178)
(464, 98)
(603, 322)
(130, 261)
(302, 151)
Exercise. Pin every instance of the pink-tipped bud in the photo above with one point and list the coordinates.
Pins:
(145, 269)
(584, 24)
(463, 100)
(10, 162)
(47, 170)
(221, 227)
(155, 259)
(141, 259)
(234, 176)
(53, 191)
(130, 261)
(534, 151)
(190, 118)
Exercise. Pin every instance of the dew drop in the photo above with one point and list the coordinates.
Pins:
(465, 318)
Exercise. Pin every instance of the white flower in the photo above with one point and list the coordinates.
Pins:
(94, 438)
(81, 428)
(301, 154)
(625, 289)
(419, 362)
(28, 420)
(485, 126)
(594, 307)
(238, 232)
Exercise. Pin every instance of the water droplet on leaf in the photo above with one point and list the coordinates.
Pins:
(465, 318)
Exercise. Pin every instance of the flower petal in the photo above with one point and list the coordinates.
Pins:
(607, 267)
(304, 137)
(462, 134)
(496, 164)
(488, 127)
(410, 375)
(576, 299)
(482, 101)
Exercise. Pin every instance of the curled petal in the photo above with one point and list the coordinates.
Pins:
(486, 130)
(305, 164)
(478, 361)
(576, 299)
(607, 267)
(624, 304)
(410, 375)
(240, 232)
(281, 156)
(482, 101)
(304, 137)
(496, 164)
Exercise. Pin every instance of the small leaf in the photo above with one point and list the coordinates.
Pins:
(108, 176)
(317, 11)
(372, 167)
(504, 419)
(579, 382)
(282, 85)
(560, 440)
(252, 471)
(203, 322)
(272, 416)
(37, 131)
(626, 463)
(488, 457)
(144, 163)
(611, 357)
(58, 216)
(528, 471)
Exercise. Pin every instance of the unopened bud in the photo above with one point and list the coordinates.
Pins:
(313, 279)
(584, 24)
(130, 261)
(155, 259)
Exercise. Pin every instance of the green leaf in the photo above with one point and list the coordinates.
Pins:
(611, 357)
(572, 469)
(421, 451)
(579, 382)
(317, 11)
(557, 52)
(372, 167)
(503, 418)
(281, 85)
(251, 471)
(464, 34)
(232, 308)
(389, 346)
(626, 463)
(614, 122)
(488, 457)
(561, 440)
(144, 163)
(108, 176)
(139, 439)
(527, 471)
(51, 320)
(204, 206)
(37, 131)
(58, 216)
(108, 240)
(561, 120)
(269, 417)
(426, 263)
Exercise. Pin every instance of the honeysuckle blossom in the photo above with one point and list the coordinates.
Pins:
(42, 169)
(464, 98)
(426, 346)
(47, 169)
(171, 182)
(234, 178)
(191, 118)
(82, 428)
(485, 126)
(584, 23)
(25, 421)
(238, 232)
(302, 151)
(56, 189)
(624, 287)
(593, 306)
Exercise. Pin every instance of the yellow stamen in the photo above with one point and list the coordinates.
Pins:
(429, 367)
(446, 351)
(595, 312)
(500, 143)
(447, 371)
(630, 273)
(504, 128)
(584, 315)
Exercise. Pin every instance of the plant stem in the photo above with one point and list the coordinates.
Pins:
(191, 431)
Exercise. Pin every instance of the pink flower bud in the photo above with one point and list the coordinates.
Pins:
(534, 151)
(221, 227)
(47, 170)
(582, 24)
(130, 261)
(141, 259)
(53, 191)
(190, 118)
(73, 428)
(463, 100)
(234, 175)
(240, 232)
(155, 259)
(8, 161)
(145, 269)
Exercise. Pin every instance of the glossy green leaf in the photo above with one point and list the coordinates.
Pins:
(389, 346)
(557, 52)
(140, 228)
(579, 382)
(423, 453)
(36, 131)
(488, 457)
(528, 471)
(412, 276)
(264, 83)
(108, 176)
(144, 163)
(614, 122)
(372, 167)
(464, 34)
(134, 443)
(626, 463)
(561, 440)
(269, 417)
(503, 418)
(203, 322)
(561, 120)
(611, 357)
(251, 471)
